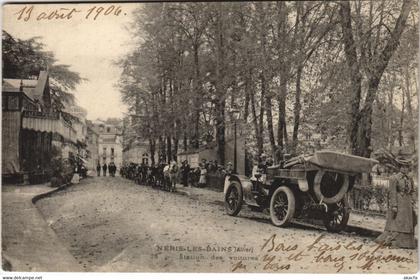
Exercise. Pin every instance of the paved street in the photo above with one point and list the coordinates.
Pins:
(112, 224)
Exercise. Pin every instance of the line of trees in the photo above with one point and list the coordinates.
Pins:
(344, 69)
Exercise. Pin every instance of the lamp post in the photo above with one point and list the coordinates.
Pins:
(235, 116)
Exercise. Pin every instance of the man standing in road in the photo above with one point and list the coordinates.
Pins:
(104, 168)
(185, 171)
(98, 169)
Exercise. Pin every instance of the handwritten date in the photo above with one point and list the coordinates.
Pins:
(92, 13)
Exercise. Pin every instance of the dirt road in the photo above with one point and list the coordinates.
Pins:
(112, 224)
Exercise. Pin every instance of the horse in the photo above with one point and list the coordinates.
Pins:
(170, 173)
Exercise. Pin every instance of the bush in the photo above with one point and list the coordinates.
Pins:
(62, 169)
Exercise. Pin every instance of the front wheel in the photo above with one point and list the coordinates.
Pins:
(233, 198)
(282, 206)
(338, 214)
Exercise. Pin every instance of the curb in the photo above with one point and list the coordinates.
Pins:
(37, 197)
(49, 193)
(66, 261)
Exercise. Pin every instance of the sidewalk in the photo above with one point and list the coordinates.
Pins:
(28, 243)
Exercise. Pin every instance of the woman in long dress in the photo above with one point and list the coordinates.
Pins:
(76, 177)
(399, 228)
(203, 176)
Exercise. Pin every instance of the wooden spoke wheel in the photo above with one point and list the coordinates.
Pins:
(338, 214)
(282, 206)
(233, 198)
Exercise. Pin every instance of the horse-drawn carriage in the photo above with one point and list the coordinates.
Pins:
(303, 188)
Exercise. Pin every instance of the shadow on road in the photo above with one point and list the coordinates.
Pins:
(349, 230)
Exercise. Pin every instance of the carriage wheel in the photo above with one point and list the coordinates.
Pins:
(336, 218)
(282, 206)
(233, 198)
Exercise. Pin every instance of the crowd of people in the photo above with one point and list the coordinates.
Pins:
(80, 170)
(167, 175)
(111, 168)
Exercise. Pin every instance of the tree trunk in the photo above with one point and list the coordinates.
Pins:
(162, 149)
(355, 77)
(284, 68)
(281, 129)
(168, 149)
(185, 142)
(220, 85)
(152, 147)
(258, 133)
(261, 119)
(220, 131)
(246, 109)
(364, 136)
(410, 109)
(297, 108)
(361, 121)
(197, 96)
(401, 128)
(175, 151)
(390, 115)
(269, 114)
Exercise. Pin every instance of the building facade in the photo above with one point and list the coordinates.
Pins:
(92, 142)
(31, 127)
(110, 145)
(77, 116)
(136, 152)
(136, 149)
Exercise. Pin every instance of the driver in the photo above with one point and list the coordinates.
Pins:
(262, 165)
(229, 171)
(259, 170)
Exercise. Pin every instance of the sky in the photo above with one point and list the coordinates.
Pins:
(89, 46)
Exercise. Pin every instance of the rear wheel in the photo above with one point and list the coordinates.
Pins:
(282, 206)
(233, 198)
(338, 214)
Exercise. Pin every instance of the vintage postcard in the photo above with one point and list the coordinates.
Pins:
(228, 137)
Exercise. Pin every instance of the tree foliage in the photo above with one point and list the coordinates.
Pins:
(304, 75)
(23, 59)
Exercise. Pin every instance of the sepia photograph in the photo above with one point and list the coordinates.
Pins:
(210, 137)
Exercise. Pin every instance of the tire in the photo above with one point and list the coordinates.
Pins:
(233, 198)
(336, 197)
(282, 206)
(337, 217)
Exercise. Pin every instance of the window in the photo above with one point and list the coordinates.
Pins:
(145, 158)
(104, 152)
(108, 129)
(112, 152)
